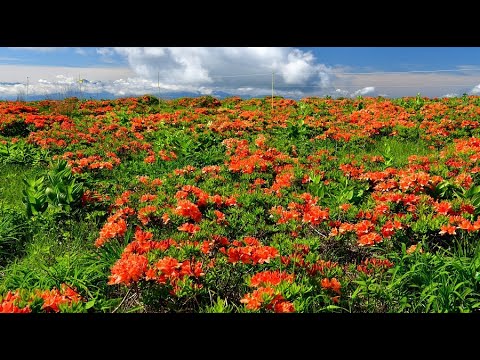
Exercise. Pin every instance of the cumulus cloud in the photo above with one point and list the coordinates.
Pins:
(365, 91)
(228, 67)
(475, 90)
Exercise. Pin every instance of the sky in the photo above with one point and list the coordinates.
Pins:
(48, 72)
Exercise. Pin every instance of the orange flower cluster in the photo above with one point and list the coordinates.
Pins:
(266, 295)
(80, 163)
(413, 248)
(220, 217)
(246, 162)
(123, 198)
(369, 239)
(169, 270)
(116, 225)
(211, 169)
(269, 298)
(332, 284)
(43, 121)
(53, 298)
(390, 227)
(186, 170)
(371, 265)
(270, 278)
(145, 212)
(143, 243)
(150, 159)
(309, 212)
(16, 107)
(129, 268)
(167, 157)
(188, 209)
(201, 196)
(189, 228)
(253, 253)
(282, 180)
(148, 197)
(9, 304)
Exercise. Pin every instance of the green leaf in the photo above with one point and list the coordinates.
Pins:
(477, 276)
(89, 304)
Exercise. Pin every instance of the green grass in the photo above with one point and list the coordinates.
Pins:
(60, 252)
(441, 282)
(400, 150)
(11, 186)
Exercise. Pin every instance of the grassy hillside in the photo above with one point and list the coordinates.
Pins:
(206, 205)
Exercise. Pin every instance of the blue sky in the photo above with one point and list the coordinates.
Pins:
(298, 72)
(399, 58)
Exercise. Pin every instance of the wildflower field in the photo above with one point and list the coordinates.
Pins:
(200, 205)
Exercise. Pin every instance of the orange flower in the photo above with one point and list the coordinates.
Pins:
(413, 248)
(165, 218)
(129, 268)
(189, 228)
(9, 304)
(443, 208)
(369, 239)
(216, 199)
(336, 299)
(148, 197)
(255, 299)
(447, 229)
(168, 266)
(466, 225)
(231, 201)
(157, 182)
(149, 159)
(284, 307)
(345, 207)
(220, 217)
(188, 209)
(111, 229)
(144, 179)
(271, 278)
(335, 285)
(325, 283)
(332, 284)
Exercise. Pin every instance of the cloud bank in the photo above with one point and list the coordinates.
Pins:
(245, 71)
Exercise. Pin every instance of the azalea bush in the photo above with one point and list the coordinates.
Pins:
(208, 205)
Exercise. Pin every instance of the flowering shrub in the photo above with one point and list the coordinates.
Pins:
(310, 206)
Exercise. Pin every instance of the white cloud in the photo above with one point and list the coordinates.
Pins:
(365, 91)
(244, 71)
(227, 67)
(105, 51)
(450, 95)
(47, 80)
(475, 90)
(340, 92)
(81, 51)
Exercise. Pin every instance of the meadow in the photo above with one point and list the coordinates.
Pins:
(270, 205)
